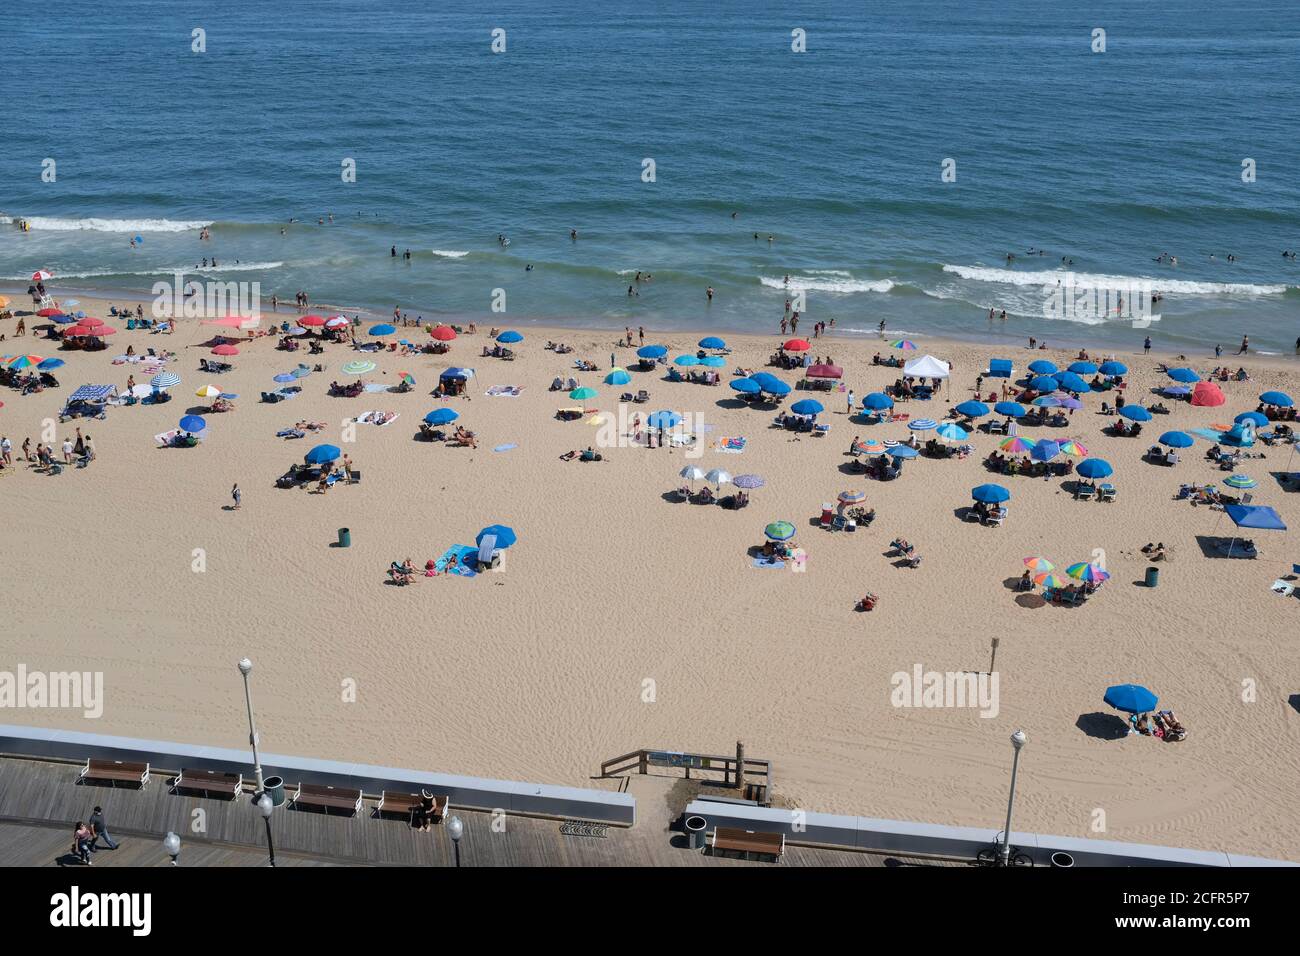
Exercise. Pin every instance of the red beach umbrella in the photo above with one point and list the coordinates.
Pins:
(89, 323)
(47, 313)
(229, 321)
(312, 320)
(40, 275)
(825, 371)
(225, 350)
(443, 333)
(797, 345)
(1207, 393)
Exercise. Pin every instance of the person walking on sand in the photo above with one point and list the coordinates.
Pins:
(1245, 345)
(7, 450)
(67, 451)
(20, 328)
(850, 408)
(236, 496)
(1146, 345)
(88, 448)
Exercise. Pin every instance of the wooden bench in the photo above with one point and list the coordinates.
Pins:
(406, 804)
(325, 797)
(746, 842)
(209, 782)
(114, 770)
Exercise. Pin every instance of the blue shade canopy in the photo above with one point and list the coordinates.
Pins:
(1042, 367)
(711, 342)
(1184, 375)
(1095, 468)
(505, 535)
(877, 401)
(1133, 698)
(1260, 517)
(1280, 399)
(1135, 413)
(990, 494)
(442, 416)
(1113, 368)
(323, 455)
(807, 406)
(1045, 450)
(972, 409)
(1083, 368)
(192, 423)
(746, 386)
(52, 363)
(652, 351)
(663, 419)
(1013, 409)
(618, 377)
(1176, 439)
(510, 336)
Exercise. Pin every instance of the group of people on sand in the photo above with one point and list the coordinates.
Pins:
(1162, 724)
(82, 448)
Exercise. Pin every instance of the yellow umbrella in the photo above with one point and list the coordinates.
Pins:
(3, 302)
(208, 391)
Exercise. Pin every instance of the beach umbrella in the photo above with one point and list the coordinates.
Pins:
(854, 497)
(663, 419)
(25, 361)
(4, 301)
(338, 322)
(1012, 409)
(1135, 413)
(1280, 399)
(774, 386)
(443, 333)
(284, 378)
(719, 477)
(165, 380)
(868, 446)
(314, 321)
(905, 345)
(808, 406)
(1095, 468)
(1069, 382)
(652, 351)
(1083, 368)
(1240, 481)
(1039, 564)
(1044, 383)
(903, 451)
(1113, 368)
(746, 386)
(295, 330)
(713, 361)
(1047, 401)
(49, 313)
(40, 275)
(50, 364)
(1184, 375)
(510, 336)
(877, 401)
(323, 455)
(141, 391)
(192, 423)
(1133, 698)
(225, 350)
(618, 376)
(208, 391)
(711, 342)
(1050, 580)
(972, 409)
(1176, 439)
(796, 345)
(748, 482)
(63, 319)
(453, 372)
(406, 378)
(949, 431)
(505, 536)
(1042, 367)
(1045, 450)
(922, 424)
(1074, 448)
(382, 328)
(1176, 390)
(1255, 418)
(229, 321)
(1208, 395)
(97, 331)
(1071, 402)
(685, 361)
(1016, 444)
(824, 370)
(302, 371)
(442, 416)
(580, 394)
(359, 367)
(691, 473)
(1084, 571)
(779, 531)
(990, 494)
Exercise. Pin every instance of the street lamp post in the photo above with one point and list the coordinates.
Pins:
(265, 807)
(172, 846)
(456, 830)
(246, 668)
(1018, 740)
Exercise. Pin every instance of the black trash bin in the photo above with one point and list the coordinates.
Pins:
(695, 827)
(273, 787)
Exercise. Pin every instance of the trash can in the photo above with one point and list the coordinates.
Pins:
(1153, 576)
(273, 787)
(1062, 859)
(345, 537)
(695, 827)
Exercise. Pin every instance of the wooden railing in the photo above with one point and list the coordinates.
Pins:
(750, 776)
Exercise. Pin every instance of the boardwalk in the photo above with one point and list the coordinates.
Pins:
(39, 802)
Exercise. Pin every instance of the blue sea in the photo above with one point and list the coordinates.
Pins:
(1101, 160)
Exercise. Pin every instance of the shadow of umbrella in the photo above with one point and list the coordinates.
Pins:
(1031, 601)
(1102, 726)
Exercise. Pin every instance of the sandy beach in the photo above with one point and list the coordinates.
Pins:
(539, 672)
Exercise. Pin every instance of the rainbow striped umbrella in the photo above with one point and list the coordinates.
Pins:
(25, 361)
(1050, 580)
(406, 377)
(1039, 564)
(1074, 447)
(905, 344)
(1087, 572)
(1016, 444)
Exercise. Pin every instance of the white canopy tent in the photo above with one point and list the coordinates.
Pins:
(927, 366)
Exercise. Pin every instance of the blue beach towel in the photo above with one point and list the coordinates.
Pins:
(463, 553)
(505, 447)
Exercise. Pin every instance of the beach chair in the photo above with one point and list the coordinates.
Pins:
(839, 523)
(1106, 492)
(972, 515)
(821, 430)
(642, 396)
(571, 384)
(1283, 588)
(996, 519)
(556, 385)
(1084, 492)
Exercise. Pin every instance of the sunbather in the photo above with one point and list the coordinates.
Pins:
(868, 602)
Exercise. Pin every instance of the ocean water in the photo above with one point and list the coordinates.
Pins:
(1106, 159)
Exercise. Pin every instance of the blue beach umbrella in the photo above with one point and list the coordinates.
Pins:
(510, 336)
(686, 361)
(165, 380)
(713, 361)
(1135, 413)
(1240, 481)
(1095, 468)
(877, 401)
(922, 424)
(990, 494)
(973, 409)
(1176, 439)
(663, 419)
(63, 319)
(192, 423)
(442, 416)
(1176, 390)
(807, 406)
(323, 455)
(1070, 382)
(382, 329)
(1042, 367)
(1045, 450)
(301, 372)
(284, 378)
(1047, 401)
(949, 431)
(50, 364)
(505, 535)
(652, 351)
(1044, 383)
(1113, 368)
(903, 451)
(618, 377)
(774, 386)
(1133, 698)
(1011, 409)
(1255, 418)
(1083, 368)
(1280, 399)
(1184, 375)
(746, 386)
(711, 342)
